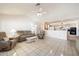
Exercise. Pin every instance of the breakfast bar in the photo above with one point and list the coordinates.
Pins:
(59, 34)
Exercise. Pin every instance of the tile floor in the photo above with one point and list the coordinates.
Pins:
(46, 47)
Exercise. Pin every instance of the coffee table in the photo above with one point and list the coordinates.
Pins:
(31, 39)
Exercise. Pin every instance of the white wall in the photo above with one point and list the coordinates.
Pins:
(15, 22)
(77, 41)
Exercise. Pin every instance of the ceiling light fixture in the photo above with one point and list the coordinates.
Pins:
(38, 10)
(37, 4)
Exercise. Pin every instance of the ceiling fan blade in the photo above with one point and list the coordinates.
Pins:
(37, 4)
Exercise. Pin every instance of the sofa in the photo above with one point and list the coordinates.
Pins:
(6, 44)
(23, 35)
(9, 43)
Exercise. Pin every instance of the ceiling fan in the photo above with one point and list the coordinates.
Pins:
(38, 10)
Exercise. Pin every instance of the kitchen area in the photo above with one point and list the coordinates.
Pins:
(64, 30)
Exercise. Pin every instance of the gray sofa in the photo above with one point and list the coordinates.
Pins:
(23, 35)
(11, 42)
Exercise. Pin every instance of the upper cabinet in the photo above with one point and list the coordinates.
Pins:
(59, 25)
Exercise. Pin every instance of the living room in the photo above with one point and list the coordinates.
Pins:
(33, 29)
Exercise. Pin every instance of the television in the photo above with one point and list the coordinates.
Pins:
(72, 30)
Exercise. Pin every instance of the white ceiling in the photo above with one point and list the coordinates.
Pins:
(55, 11)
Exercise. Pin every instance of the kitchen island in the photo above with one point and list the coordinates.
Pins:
(59, 34)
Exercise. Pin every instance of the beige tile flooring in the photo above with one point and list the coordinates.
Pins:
(46, 47)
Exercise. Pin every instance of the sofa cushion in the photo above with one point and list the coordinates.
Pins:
(23, 32)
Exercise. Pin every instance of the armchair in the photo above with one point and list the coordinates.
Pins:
(5, 43)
